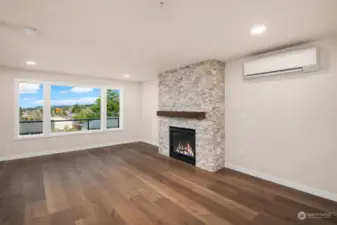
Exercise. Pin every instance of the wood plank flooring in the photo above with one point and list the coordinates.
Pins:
(133, 184)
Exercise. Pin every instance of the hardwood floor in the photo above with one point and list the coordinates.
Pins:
(133, 184)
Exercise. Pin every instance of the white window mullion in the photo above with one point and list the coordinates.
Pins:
(103, 109)
(121, 107)
(46, 110)
(16, 108)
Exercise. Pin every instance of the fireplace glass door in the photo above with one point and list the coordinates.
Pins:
(182, 144)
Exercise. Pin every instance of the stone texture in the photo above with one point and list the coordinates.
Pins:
(198, 87)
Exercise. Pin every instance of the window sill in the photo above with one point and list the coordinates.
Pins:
(38, 136)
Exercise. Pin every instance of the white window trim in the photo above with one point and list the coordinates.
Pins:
(46, 131)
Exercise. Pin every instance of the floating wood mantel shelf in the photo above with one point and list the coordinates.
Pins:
(190, 115)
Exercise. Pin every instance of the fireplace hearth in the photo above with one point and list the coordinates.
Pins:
(182, 144)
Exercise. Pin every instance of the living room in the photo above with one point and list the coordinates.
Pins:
(168, 112)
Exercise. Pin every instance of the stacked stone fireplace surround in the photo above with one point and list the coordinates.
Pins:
(200, 88)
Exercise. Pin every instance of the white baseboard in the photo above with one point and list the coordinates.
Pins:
(35, 154)
(150, 142)
(291, 184)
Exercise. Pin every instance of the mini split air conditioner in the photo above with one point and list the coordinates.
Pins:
(303, 60)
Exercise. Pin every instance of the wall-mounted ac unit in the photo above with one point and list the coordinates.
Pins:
(303, 60)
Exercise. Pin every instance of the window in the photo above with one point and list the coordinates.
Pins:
(47, 109)
(75, 109)
(112, 108)
(30, 108)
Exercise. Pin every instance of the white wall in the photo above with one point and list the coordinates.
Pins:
(10, 148)
(149, 104)
(285, 127)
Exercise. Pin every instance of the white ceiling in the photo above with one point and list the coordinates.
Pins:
(109, 38)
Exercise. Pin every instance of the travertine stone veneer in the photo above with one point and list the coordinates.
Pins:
(199, 87)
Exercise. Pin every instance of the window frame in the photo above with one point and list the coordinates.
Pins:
(46, 131)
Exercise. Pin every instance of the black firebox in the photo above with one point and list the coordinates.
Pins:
(182, 144)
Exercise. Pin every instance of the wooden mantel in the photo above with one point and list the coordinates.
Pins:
(190, 115)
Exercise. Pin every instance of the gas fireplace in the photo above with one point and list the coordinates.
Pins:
(182, 144)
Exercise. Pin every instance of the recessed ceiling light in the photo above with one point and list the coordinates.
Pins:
(126, 75)
(258, 29)
(30, 63)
